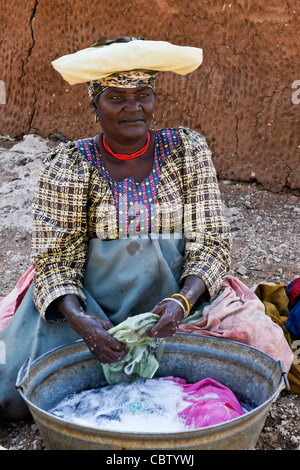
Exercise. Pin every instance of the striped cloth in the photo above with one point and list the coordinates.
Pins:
(73, 203)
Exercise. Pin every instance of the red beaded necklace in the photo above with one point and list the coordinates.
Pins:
(121, 156)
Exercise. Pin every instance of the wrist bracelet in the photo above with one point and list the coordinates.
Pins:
(187, 304)
(179, 303)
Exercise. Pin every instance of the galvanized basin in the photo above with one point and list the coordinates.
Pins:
(252, 375)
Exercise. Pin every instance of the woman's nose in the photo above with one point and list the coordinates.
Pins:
(132, 104)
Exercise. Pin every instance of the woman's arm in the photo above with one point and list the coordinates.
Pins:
(59, 240)
(92, 329)
(207, 234)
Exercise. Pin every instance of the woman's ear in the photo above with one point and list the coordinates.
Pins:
(93, 106)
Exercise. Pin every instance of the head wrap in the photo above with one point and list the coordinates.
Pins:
(131, 79)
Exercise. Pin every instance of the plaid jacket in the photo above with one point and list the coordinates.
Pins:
(73, 204)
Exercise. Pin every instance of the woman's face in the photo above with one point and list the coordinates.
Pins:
(125, 113)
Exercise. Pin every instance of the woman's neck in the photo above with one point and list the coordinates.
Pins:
(143, 146)
(127, 156)
(138, 168)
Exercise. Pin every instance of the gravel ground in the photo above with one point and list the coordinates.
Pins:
(264, 228)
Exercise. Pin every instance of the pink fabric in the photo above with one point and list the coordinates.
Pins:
(10, 303)
(237, 314)
(208, 403)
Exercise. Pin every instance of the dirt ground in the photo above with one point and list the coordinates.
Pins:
(265, 228)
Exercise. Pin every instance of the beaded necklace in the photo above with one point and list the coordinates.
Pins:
(122, 156)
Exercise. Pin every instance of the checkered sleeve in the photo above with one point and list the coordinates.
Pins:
(59, 241)
(208, 239)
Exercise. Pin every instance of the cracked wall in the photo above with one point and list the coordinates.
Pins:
(240, 98)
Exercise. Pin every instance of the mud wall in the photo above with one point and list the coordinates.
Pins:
(242, 97)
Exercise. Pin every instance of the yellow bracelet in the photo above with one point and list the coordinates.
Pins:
(187, 304)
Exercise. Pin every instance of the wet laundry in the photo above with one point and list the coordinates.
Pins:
(144, 352)
(208, 403)
(162, 405)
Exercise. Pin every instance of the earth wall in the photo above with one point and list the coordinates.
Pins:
(245, 98)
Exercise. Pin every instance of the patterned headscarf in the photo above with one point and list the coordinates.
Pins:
(130, 79)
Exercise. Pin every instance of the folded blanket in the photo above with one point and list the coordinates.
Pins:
(10, 303)
(293, 321)
(276, 305)
(237, 314)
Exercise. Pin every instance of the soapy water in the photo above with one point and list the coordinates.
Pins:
(144, 406)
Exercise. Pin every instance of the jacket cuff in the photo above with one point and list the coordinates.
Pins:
(44, 302)
(213, 283)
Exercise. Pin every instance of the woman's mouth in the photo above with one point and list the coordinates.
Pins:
(132, 120)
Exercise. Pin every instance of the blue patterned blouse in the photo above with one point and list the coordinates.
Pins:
(133, 199)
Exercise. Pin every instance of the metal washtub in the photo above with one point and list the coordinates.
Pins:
(252, 375)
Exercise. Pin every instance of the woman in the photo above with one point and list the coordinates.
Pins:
(125, 115)
(127, 222)
(124, 105)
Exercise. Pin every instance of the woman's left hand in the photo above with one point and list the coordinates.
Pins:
(171, 315)
(171, 312)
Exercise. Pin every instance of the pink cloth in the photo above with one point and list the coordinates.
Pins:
(208, 403)
(10, 303)
(237, 314)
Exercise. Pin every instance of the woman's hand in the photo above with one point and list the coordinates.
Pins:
(171, 315)
(93, 330)
(171, 312)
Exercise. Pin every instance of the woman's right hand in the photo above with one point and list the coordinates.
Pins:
(93, 330)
